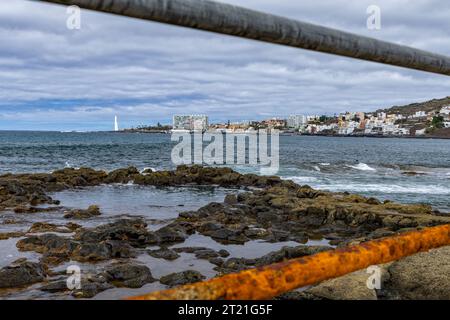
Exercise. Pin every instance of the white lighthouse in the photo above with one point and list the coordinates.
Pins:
(116, 124)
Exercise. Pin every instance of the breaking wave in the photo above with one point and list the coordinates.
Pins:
(362, 166)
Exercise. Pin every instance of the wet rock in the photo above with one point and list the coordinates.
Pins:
(164, 253)
(373, 201)
(57, 249)
(181, 278)
(8, 235)
(70, 177)
(56, 286)
(105, 250)
(25, 209)
(267, 218)
(225, 235)
(216, 261)
(129, 274)
(170, 235)
(92, 211)
(91, 285)
(92, 252)
(256, 233)
(239, 264)
(223, 253)
(230, 199)
(21, 273)
(206, 254)
(413, 173)
(41, 227)
(133, 231)
(47, 243)
(122, 175)
(203, 252)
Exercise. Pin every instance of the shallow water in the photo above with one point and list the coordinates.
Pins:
(158, 206)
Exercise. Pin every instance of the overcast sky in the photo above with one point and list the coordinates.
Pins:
(53, 78)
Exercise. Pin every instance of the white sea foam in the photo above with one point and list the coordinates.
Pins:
(388, 188)
(301, 180)
(151, 168)
(362, 166)
(69, 165)
(316, 168)
(324, 164)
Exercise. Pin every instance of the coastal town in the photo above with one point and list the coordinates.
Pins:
(382, 123)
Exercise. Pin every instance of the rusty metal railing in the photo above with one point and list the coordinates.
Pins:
(272, 280)
(241, 22)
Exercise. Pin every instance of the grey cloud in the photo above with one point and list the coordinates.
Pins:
(152, 65)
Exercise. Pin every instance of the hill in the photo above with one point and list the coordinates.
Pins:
(410, 109)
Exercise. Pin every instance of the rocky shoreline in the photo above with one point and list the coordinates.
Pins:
(262, 208)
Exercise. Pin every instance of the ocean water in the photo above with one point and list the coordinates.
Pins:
(369, 166)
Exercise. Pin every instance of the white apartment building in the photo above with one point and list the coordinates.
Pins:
(419, 114)
(445, 110)
(296, 121)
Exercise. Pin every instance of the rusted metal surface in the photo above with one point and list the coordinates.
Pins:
(241, 22)
(270, 281)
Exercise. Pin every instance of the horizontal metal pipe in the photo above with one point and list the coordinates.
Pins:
(250, 24)
(270, 281)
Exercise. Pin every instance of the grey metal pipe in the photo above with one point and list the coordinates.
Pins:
(237, 21)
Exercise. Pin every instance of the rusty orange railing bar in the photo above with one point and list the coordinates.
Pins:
(272, 280)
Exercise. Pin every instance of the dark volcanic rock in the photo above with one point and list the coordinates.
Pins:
(122, 175)
(129, 274)
(57, 249)
(225, 235)
(239, 264)
(8, 235)
(56, 286)
(91, 285)
(230, 199)
(92, 211)
(164, 253)
(169, 234)
(21, 273)
(133, 231)
(203, 253)
(41, 227)
(181, 278)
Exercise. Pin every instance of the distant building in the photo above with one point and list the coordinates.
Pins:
(296, 121)
(190, 122)
(421, 132)
(313, 118)
(419, 114)
(445, 110)
(382, 115)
